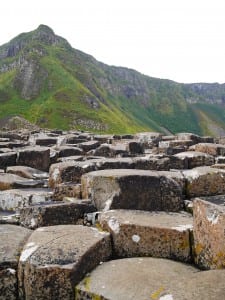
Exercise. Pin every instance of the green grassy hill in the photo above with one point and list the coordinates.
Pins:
(45, 80)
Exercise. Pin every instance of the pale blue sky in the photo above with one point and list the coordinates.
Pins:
(182, 40)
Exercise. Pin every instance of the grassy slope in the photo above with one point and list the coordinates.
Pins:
(74, 76)
(56, 108)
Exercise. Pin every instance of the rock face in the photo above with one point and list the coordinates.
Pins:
(150, 278)
(12, 240)
(110, 197)
(27, 172)
(204, 181)
(157, 234)
(210, 148)
(9, 181)
(55, 213)
(18, 198)
(7, 159)
(56, 258)
(195, 159)
(34, 157)
(131, 189)
(209, 235)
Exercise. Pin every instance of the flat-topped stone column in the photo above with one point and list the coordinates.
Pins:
(141, 233)
(132, 189)
(151, 278)
(56, 258)
(209, 234)
(12, 239)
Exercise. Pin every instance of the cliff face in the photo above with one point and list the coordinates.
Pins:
(45, 80)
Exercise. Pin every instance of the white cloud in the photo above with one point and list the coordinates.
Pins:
(182, 40)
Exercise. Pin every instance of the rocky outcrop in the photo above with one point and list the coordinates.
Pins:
(52, 272)
(136, 233)
(150, 278)
(89, 209)
(209, 237)
(12, 240)
(131, 189)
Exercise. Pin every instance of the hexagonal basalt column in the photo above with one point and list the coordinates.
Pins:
(141, 233)
(56, 258)
(12, 239)
(131, 189)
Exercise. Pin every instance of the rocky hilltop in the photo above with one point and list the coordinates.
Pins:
(88, 216)
(45, 80)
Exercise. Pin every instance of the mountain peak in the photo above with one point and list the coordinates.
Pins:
(45, 29)
(45, 34)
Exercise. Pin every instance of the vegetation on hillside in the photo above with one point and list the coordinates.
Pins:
(45, 80)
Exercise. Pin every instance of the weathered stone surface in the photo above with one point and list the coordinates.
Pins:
(12, 240)
(150, 278)
(209, 235)
(131, 189)
(151, 163)
(183, 136)
(149, 138)
(7, 159)
(54, 213)
(204, 181)
(175, 143)
(210, 148)
(220, 160)
(219, 166)
(87, 146)
(67, 190)
(72, 171)
(176, 162)
(18, 198)
(177, 176)
(56, 258)
(5, 150)
(107, 150)
(103, 138)
(34, 157)
(218, 199)
(68, 158)
(10, 181)
(9, 217)
(196, 159)
(141, 233)
(27, 172)
(135, 147)
(65, 151)
(46, 141)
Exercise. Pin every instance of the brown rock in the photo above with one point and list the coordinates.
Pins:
(204, 181)
(196, 159)
(56, 258)
(46, 141)
(156, 234)
(35, 157)
(7, 159)
(27, 172)
(151, 278)
(87, 146)
(65, 151)
(18, 198)
(210, 148)
(209, 235)
(67, 190)
(10, 181)
(12, 240)
(72, 171)
(131, 189)
(55, 213)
